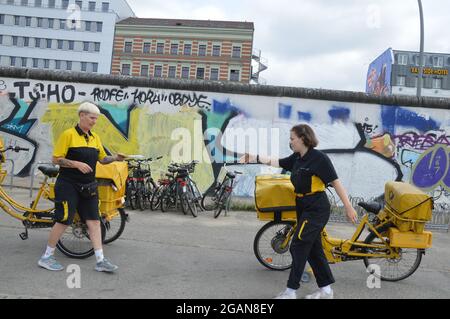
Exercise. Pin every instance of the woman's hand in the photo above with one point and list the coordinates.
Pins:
(352, 215)
(247, 158)
(83, 167)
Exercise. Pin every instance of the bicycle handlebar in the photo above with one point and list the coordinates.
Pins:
(16, 149)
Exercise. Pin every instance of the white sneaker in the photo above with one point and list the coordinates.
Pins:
(285, 295)
(321, 295)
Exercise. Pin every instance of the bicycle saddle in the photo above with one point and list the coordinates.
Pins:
(48, 170)
(372, 207)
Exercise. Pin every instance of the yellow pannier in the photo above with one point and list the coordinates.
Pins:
(410, 239)
(112, 180)
(409, 207)
(275, 198)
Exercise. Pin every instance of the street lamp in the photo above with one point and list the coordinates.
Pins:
(419, 80)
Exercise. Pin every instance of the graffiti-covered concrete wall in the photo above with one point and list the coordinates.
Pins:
(371, 140)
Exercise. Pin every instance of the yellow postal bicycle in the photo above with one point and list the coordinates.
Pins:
(395, 238)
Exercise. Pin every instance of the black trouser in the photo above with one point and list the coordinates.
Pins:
(313, 213)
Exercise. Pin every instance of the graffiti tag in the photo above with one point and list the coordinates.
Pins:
(421, 142)
(432, 169)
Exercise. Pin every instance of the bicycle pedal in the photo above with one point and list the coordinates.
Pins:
(23, 236)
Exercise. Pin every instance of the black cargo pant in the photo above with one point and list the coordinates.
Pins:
(313, 212)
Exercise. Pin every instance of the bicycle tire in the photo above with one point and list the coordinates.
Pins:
(81, 239)
(156, 198)
(275, 240)
(222, 202)
(112, 234)
(192, 205)
(415, 265)
(209, 201)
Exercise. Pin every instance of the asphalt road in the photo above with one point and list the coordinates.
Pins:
(169, 255)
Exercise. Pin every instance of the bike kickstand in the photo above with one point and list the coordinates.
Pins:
(24, 235)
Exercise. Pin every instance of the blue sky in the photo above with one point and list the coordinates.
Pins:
(319, 43)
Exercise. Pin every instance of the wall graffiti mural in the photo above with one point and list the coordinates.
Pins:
(369, 144)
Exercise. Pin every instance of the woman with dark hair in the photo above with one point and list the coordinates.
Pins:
(311, 172)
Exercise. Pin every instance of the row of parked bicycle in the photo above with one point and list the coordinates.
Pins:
(176, 190)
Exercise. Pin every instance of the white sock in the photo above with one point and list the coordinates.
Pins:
(99, 255)
(326, 289)
(290, 291)
(48, 252)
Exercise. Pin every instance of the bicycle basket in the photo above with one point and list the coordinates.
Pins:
(408, 206)
(275, 197)
(111, 186)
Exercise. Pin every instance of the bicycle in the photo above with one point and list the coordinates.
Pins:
(394, 241)
(75, 241)
(218, 198)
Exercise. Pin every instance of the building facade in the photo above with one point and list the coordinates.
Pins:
(184, 49)
(396, 72)
(60, 34)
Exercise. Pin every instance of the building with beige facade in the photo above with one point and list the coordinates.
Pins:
(184, 49)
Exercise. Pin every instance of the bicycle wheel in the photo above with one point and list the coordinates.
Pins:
(209, 199)
(149, 190)
(391, 269)
(267, 245)
(190, 197)
(222, 203)
(115, 227)
(156, 198)
(75, 241)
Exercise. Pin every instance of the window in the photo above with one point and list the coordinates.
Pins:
(97, 46)
(158, 71)
(17, 20)
(65, 4)
(79, 4)
(95, 67)
(202, 50)
(51, 23)
(49, 43)
(187, 49)
(83, 66)
(71, 45)
(37, 42)
(37, 3)
(236, 52)
(99, 26)
(88, 26)
(216, 50)
(234, 75)
(60, 44)
(126, 68)
(200, 73)
(13, 61)
(62, 24)
(147, 46)
(26, 42)
(35, 63)
(214, 75)
(24, 62)
(402, 59)
(2, 19)
(172, 72)
(51, 4)
(437, 83)
(174, 49)
(46, 63)
(401, 80)
(15, 40)
(185, 72)
(128, 47)
(28, 21)
(144, 70)
(105, 6)
(10, 2)
(40, 22)
(438, 61)
(69, 65)
(1, 38)
(85, 46)
(24, 2)
(91, 5)
(417, 59)
(57, 64)
(160, 48)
